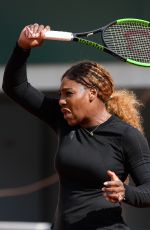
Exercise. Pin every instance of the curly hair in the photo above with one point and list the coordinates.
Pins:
(126, 106)
(122, 103)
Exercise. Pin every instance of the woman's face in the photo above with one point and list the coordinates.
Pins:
(74, 101)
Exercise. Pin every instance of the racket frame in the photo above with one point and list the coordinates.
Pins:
(78, 37)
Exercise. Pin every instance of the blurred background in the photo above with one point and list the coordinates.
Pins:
(28, 183)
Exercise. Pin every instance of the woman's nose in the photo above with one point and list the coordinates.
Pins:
(62, 101)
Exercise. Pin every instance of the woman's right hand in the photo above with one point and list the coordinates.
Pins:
(32, 36)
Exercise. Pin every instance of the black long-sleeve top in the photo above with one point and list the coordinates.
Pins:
(81, 160)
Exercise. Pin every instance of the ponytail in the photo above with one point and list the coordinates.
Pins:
(125, 105)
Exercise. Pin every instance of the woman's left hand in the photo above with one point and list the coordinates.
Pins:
(114, 190)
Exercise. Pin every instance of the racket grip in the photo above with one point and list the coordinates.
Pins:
(58, 35)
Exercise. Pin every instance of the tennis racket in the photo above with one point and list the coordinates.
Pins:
(127, 39)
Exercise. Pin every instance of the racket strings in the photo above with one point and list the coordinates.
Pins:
(129, 41)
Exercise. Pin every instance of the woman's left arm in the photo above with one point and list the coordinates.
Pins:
(137, 161)
(137, 153)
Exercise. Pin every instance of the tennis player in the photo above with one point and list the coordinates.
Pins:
(100, 136)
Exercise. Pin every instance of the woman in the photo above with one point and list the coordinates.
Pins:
(100, 139)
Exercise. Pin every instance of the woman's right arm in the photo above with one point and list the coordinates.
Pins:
(15, 83)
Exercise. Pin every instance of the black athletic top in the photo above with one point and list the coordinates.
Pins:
(83, 160)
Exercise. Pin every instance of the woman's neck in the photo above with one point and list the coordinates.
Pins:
(97, 119)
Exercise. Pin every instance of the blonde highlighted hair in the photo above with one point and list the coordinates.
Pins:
(125, 105)
(122, 103)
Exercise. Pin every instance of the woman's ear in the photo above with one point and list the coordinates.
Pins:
(93, 94)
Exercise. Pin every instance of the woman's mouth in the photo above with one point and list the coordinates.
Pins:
(66, 112)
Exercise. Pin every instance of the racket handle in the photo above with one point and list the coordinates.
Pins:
(58, 35)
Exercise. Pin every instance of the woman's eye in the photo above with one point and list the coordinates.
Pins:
(69, 93)
(65, 94)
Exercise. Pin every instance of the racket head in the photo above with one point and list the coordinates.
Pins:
(130, 39)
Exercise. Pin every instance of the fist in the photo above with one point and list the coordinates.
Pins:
(32, 36)
(114, 190)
